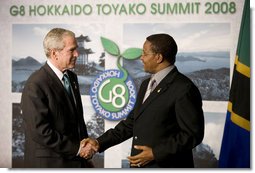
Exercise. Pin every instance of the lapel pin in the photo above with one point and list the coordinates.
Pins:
(159, 90)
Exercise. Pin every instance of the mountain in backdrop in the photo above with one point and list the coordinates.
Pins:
(28, 61)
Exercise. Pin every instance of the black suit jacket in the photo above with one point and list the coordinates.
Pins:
(54, 124)
(170, 121)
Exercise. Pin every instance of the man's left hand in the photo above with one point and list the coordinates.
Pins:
(142, 158)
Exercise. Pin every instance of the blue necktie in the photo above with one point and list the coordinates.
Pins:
(67, 84)
(68, 89)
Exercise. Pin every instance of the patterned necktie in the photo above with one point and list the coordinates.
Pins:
(67, 84)
(152, 86)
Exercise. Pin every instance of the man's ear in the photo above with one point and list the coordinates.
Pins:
(53, 54)
(160, 58)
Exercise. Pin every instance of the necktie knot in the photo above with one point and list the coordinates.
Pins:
(152, 86)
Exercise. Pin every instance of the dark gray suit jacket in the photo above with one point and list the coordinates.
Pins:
(170, 121)
(54, 124)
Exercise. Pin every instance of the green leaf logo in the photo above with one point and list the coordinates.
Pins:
(113, 93)
(110, 47)
(113, 49)
(132, 53)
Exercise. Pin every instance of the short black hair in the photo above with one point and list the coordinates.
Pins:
(165, 45)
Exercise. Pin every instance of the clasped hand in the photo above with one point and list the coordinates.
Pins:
(88, 147)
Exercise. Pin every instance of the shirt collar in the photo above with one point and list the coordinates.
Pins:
(162, 73)
(55, 70)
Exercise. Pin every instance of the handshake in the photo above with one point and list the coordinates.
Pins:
(88, 147)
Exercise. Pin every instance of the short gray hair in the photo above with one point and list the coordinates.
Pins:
(54, 39)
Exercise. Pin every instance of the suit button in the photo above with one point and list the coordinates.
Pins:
(136, 137)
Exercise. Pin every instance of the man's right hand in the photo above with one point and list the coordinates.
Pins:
(89, 147)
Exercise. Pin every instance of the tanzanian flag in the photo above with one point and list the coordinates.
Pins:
(235, 147)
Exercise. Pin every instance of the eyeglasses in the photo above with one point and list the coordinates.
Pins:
(146, 54)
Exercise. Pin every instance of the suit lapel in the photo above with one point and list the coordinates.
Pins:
(159, 90)
(142, 92)
(58, 87)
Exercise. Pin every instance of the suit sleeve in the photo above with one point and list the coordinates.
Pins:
(121, 132)
(190, 120)
(124, 129)
(39, 122)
